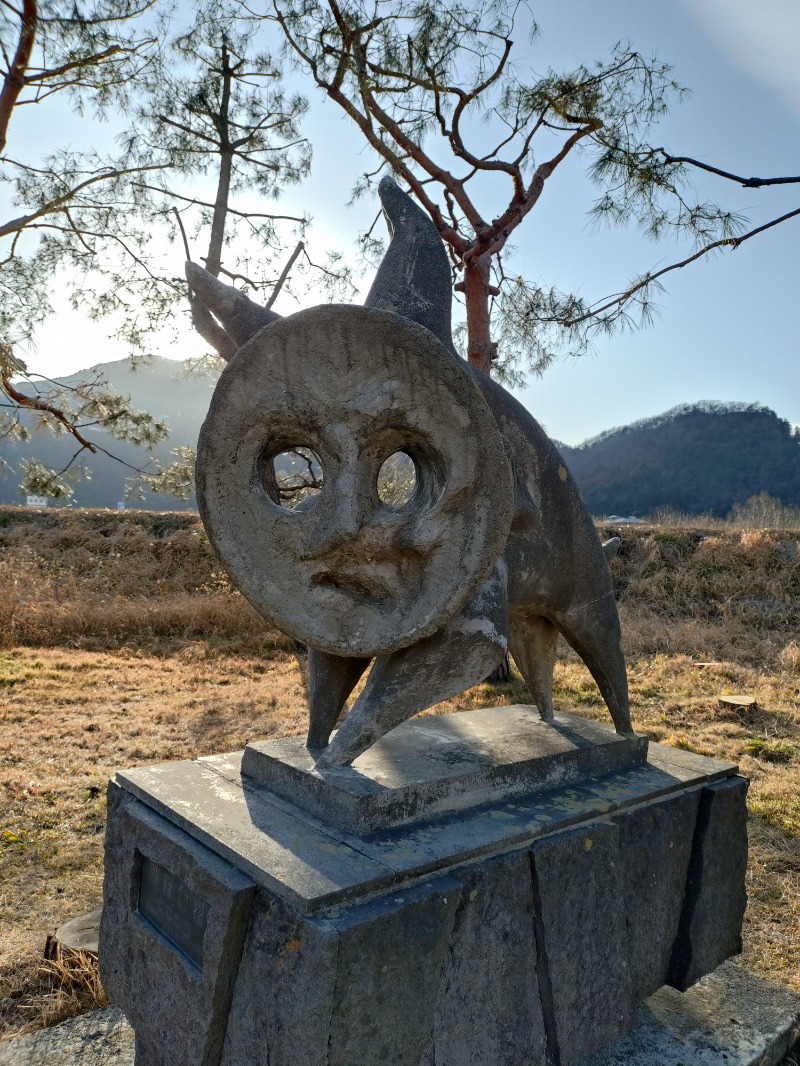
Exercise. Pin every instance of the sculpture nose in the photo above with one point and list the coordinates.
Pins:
(341, 518)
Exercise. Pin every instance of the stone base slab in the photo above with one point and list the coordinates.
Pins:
(518, 933)
(731, 1017)
(443, 764)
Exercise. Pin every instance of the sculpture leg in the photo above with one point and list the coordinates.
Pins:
(533, 640)
(592, 629)
(406, 682)
(331, 680)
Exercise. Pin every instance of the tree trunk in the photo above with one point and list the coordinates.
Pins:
(14, 81)
(214, 257)
(480, 349)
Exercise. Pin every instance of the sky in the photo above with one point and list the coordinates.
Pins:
(728, 327)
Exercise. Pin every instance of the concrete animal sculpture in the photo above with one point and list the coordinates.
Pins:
(495, 547)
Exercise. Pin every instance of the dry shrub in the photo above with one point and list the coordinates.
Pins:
(95, 580)
(764, 511)
(722, 593)
(790, 657)
(36, 992)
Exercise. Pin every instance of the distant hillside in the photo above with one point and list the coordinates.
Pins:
(697, 459)
(165, 389)
(700, 458)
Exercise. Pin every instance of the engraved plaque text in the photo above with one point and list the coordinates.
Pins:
(178, 913)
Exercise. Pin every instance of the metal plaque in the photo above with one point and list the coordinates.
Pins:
(175, 911)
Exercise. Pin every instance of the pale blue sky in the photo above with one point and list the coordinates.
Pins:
(729, 326)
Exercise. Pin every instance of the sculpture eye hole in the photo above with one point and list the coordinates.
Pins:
(292, 477)
(397, 480)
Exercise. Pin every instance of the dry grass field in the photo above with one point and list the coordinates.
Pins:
(121, 643)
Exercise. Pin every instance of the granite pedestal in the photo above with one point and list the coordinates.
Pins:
(478, 889)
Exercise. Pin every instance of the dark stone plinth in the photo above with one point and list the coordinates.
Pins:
(491, 960)
(516, 933)
(580, 920)
(358, 986)
(655, 841)
(731, 1017)
(429, 767)
(170, 1001)
(715, 900)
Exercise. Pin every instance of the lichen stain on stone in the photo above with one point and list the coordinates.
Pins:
(562, 473)
(224, 792)
(331, 849)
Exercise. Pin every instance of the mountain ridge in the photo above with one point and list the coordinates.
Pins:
(697, 458)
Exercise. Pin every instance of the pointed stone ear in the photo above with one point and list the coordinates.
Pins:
(240, 317)
(414, 278)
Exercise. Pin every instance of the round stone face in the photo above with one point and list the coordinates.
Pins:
(346, 388)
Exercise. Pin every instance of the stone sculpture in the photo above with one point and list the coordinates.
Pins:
(495, 548)
(476, 888)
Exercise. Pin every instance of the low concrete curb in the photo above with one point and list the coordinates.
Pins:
(102, 1038)
(730, 1017)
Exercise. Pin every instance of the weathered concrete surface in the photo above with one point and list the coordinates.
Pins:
(348, 574)
(414, 278)
(459, 655)
(439, 765)
(495, 545)
(730, 1017)
(163, 993)
(579, 905)
(308, 866)
(314, 866)
(489, 1008)
(715, 901)
(102, 1038)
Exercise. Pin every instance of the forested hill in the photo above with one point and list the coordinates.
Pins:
(699, 458)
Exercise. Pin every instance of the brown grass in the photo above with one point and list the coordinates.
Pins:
(121, 643)
(39, 992)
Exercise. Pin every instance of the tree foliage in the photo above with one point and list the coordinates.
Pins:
(90, 55)
(216, 110)
(436, 93)
(194, 106)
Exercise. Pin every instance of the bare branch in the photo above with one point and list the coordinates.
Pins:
(57, 204)
(622, 298)
(747, 183)
(33, 404)
(284, 275)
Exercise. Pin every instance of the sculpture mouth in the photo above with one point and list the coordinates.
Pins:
(361, 587)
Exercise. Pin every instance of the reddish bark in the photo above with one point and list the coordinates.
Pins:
(14, 81)
(480, 347)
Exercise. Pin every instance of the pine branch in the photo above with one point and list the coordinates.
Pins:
(616, 302)
(747, 183)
